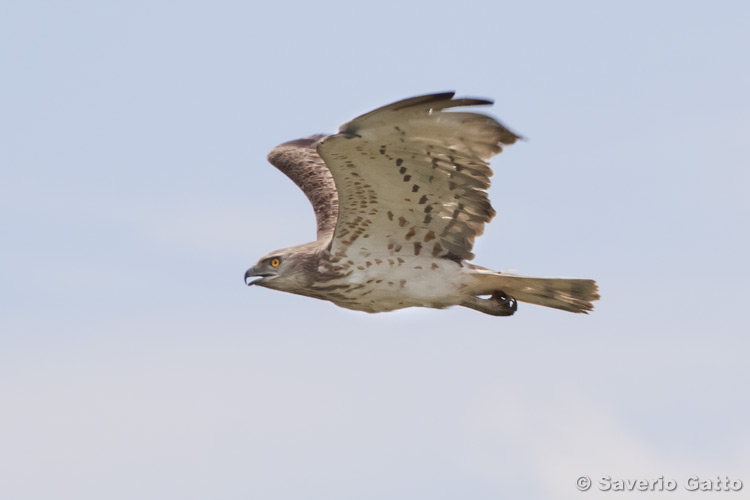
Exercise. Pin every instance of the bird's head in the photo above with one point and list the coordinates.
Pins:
(289, 269)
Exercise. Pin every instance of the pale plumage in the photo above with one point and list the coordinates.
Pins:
(399, 195)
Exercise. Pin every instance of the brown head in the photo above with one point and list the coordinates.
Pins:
(289, 269)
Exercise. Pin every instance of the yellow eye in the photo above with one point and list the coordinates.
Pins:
(275, 262)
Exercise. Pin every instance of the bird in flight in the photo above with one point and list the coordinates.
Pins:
(399, 195)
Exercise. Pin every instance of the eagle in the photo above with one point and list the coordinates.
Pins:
(400, 194)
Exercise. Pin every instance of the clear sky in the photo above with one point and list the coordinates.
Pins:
(134, 193)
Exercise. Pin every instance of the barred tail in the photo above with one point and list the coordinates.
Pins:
(574, 295)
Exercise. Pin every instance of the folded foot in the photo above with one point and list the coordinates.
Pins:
(499, 304)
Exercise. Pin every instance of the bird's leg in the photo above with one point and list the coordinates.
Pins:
(505, 303)
(499, 304)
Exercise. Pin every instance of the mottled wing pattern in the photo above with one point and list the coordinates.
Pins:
(299, 160)
(412, 178)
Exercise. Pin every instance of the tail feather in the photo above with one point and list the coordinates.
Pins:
(574, 295)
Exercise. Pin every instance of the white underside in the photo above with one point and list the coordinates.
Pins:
(415, 282)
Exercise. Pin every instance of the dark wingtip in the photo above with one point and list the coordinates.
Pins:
(422, 99)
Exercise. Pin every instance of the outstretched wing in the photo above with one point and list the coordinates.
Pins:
(299, 160)
(412, 178)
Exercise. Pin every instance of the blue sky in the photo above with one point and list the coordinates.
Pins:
(134, 363)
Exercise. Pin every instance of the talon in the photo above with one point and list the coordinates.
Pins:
(498, 304)
(507, 304)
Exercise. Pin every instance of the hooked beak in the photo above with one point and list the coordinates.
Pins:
(250, 273)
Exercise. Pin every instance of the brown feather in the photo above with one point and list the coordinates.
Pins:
(299, 160)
